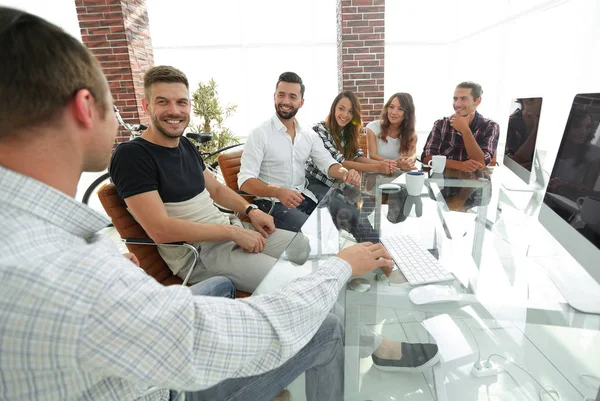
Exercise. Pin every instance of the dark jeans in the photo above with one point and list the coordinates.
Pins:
(291, 219)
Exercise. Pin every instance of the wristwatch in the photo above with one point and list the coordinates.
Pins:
(250, 208)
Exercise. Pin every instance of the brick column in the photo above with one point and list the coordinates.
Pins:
(361, 52)
(118, 34)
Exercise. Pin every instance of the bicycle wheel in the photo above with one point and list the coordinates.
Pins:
(90, 197)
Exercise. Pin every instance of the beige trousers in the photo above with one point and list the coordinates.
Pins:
(246, 270)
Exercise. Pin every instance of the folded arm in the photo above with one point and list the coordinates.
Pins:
(489, 143)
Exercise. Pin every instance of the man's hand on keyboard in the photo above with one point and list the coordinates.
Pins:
(365, 257)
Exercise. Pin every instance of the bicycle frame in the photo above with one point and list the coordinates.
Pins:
(135, 130)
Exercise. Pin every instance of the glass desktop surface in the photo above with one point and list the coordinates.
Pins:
(506, 310)
(496, 316)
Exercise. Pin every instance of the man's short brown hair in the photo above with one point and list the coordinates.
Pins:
(163, 73)
(41, 69)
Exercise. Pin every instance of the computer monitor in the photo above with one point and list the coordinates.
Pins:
(571, 207)
(521, 136)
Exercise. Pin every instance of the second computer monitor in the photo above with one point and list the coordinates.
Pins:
(571, 208)
(521, 136)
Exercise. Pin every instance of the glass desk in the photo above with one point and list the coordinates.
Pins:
(504, 313)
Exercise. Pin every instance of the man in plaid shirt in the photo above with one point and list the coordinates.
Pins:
(467, 139)
(79, 322)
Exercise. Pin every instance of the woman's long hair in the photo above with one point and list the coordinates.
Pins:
(352, 130)
(576, 117)
(407, 126)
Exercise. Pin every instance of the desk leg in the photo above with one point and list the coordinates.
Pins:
(319, 234)
(480, 226)
(377, 220)
(352, 352)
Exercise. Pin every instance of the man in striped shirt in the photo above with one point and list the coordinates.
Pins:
(467, 139)
(81, 322)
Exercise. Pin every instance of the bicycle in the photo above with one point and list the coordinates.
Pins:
(90, 197)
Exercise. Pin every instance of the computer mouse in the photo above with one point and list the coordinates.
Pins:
(389, 186)
(433, 294)
(359, 284)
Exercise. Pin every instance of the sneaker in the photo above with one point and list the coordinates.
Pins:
(415, 358)
(283, 396)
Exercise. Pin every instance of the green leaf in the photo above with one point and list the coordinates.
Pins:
(212, 115)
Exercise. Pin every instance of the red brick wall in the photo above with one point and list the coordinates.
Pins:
(118, 34)
(361, 52)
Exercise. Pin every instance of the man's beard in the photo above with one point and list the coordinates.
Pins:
(163, 131)
(286, 116)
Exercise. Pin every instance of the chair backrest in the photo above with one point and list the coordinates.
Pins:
(362, 141)
(128, 227)
(230, 163)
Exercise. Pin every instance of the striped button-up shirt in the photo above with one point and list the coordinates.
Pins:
(78, 321)
(312, 170)
(446, 141)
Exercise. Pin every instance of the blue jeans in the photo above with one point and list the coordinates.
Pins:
(291, 219)
(214, 287)
(322, 359)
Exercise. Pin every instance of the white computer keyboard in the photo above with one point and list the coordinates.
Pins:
(416, 263)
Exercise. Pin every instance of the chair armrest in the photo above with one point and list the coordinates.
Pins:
(223, 209)
(147, 241)
(242, 193)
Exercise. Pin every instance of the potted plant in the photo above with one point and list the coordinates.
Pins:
(206, 106)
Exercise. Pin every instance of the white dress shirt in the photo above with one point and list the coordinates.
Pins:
(81, 322)
(270, 156)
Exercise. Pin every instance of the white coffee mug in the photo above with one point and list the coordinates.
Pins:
(414, 182)
(589, 210)
(437, 163)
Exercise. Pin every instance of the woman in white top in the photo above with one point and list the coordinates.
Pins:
(393, 136)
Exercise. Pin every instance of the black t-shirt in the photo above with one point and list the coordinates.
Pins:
(140, 166)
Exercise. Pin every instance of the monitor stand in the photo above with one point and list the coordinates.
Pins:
(514, 184)
(580, 289)
(521, 187)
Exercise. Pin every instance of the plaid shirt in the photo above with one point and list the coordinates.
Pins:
(445, 140)
(312, 171)
(78, 321)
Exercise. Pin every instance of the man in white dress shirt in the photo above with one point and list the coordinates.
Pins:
(275, 154)
(80, 321)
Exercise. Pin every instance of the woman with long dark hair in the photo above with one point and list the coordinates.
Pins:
(392, 138)
(340, 132)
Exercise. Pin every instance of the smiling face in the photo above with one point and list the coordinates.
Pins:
(464, 104)
(288, 100)
(395, 112)
(343, 112)
(169, 108)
